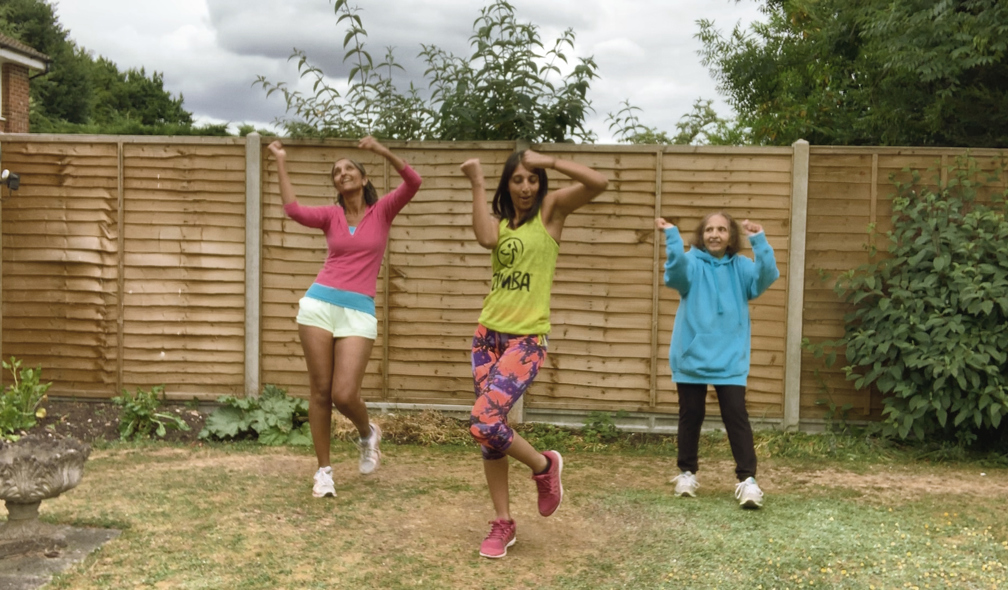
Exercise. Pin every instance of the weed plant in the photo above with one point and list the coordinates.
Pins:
(20, 403)
(139, 417)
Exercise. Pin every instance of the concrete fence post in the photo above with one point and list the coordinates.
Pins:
(253, 261)
(796, 284)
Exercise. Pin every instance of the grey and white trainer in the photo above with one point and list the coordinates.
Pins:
(685, 485)
(370, 455)
(324, 486)
(749, 494)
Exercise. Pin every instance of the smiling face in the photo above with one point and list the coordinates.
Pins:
(717, 235)
(347, 178)
(523, 185)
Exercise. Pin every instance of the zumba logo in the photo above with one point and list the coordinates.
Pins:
(510, 251)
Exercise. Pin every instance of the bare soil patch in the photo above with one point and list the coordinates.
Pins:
(92, 421)
(891, 483)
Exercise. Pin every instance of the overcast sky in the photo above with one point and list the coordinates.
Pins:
(211, 51)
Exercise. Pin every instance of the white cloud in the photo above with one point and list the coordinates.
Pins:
(211, 51)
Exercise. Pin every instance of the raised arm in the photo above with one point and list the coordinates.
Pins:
(766, 263)
(677, 264)
(485, 225)
(375, 147)
(561, 203)
(286, 188)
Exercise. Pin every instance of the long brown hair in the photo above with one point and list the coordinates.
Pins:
(370, 194)
(734, 233)
(503, 206)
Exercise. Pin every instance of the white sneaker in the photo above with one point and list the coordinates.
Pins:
(324, 487)
(370, 456)
(749, 494)
(685, 485)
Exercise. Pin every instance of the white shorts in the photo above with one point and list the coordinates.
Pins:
(340, 321)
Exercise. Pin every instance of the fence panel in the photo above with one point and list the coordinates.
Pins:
(184, 261)
(60, 263)
(747, 184)
(850, 191)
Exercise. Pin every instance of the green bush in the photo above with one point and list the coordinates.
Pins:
(601, 428)
(19, 405)
(139, 417)
(273, 419)
(930, 322)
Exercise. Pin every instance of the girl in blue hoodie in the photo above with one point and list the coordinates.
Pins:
(710, 338)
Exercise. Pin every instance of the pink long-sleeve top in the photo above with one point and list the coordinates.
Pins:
(354, 260)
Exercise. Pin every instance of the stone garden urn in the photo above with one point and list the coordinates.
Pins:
(33, 469)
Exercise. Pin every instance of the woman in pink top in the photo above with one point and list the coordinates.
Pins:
(336, 317)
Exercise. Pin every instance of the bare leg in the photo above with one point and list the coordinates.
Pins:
(350, 358)
(496, 471)
(521, 449)
(318, 345)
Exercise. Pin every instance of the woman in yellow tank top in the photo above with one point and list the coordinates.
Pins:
(510, 341)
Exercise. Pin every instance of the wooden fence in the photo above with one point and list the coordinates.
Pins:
(130, 262)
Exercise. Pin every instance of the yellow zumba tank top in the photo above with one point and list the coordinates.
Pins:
(524, 261)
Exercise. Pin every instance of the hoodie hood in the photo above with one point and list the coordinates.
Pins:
(719, 276)
(708, 257)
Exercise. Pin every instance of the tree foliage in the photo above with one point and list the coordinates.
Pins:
(84, 94)
(510, 87)
(929, 327)
(701, 126)
(868, 72)
(63, 92)
(133, 96)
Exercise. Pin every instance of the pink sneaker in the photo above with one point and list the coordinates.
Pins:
(502, 536)
(550, 488)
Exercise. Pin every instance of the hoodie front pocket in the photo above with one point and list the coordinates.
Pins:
(713, 355)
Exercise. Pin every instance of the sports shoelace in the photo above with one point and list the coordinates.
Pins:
(498, 530)
(547, 484)
(741, 488)
(368, 453)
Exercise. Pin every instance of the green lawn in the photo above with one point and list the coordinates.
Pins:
(242, 516)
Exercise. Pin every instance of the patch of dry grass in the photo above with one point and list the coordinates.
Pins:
(242, 516)
(424, 428)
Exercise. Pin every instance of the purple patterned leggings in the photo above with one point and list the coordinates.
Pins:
(503, 367)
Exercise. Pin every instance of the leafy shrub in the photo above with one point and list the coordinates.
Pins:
(600, 427)
(930, 323)
(19, 404)
(139, 417)
(546, 436)
(273, 419)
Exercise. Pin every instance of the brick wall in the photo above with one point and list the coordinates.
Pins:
(15, 98)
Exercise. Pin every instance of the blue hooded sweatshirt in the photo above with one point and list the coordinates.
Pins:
(710, 338)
